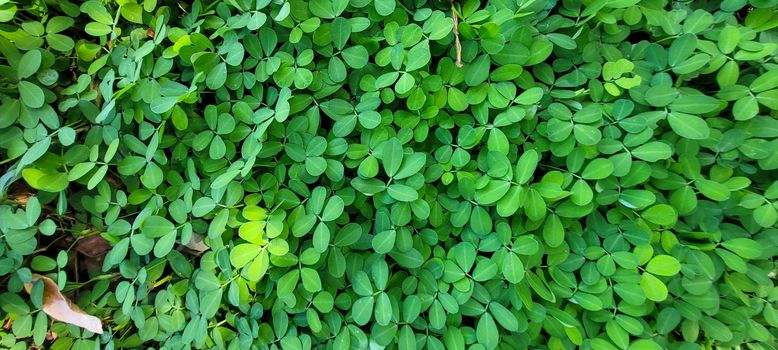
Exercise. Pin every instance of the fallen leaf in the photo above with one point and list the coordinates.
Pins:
(60, 308)
(196, 244)
(93, 246)
(20, 199)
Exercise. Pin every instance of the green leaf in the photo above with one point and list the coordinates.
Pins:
(383, 309)
(163, 104)
(534, 205)
(311, 280)
(315, 166)
(653, 288)
(480, 221)
(37, 150)
(617, 334)
(653, 151)
(513, 268)
(384, 7)
(539, 51)
(503, 316)
(411, 165)
(31, 94)
(530, 96)
(206, 281)
(661, 95)
(765, 81)
(661, 214)
(97, 29)
(562, 40)
(362, 310)
(391, 156)
(418, 56)
(165, 244)
(407, 339)
(333, 209)
(587, 301)
(744, 247)
(745, 108)
(681, 48)
(217, 76)
(586, 135)
(288, 282)
(486, 331)
(58, 24)
(553, 231)
(663, 265)
(384, 241)
(29, 64)
(597, 169)
(716, 329)
(402, 193)
(477, 72)
(526, 166)
(203, 206)
(695, 104)
(644, 344)
(142, 245)
(485, 270)
(766, 215)
(132, 12)
(712, 189)
(340, 30)
(493, 192)
(410, 259)
(156, 226)
(688, 126)
(355, 56)
(457, 100)
(729, 37)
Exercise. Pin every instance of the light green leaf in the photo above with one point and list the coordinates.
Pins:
(418, 56)
(663, 265)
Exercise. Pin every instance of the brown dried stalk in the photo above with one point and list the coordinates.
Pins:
(457, 43)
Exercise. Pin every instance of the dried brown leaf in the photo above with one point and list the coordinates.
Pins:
(93, 246)
(197, 244)
(60, 308)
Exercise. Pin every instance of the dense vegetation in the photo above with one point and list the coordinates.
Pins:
(399, 174)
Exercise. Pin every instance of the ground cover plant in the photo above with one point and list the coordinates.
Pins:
(388, 174)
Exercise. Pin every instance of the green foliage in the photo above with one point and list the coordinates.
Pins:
(289, 174)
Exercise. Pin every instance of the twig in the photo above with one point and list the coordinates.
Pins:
(94, 85)
(457, 43)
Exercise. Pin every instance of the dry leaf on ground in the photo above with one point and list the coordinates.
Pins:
(60, 308)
